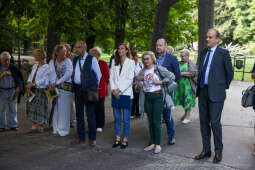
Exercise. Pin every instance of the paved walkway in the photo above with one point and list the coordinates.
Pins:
(23, 151)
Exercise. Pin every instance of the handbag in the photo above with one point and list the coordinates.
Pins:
(123, 102)
(92, 93)
(247, 96)
(52, 93)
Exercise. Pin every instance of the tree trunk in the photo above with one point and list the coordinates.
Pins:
(121, 13)
(27, 43)
(163, 7)
(205, 22)
(90, 41)
(53, 39)
(36, 39)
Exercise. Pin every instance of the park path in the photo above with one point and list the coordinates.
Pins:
(23, 151)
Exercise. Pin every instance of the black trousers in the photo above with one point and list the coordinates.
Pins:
(100, 113)
(135, 103)
(80, 102)
(210, 119)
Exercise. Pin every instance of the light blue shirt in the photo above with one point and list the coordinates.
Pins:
(209, 63)
(94, 66)
(161, 60)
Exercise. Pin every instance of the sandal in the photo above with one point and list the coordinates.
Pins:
(116, 144)
(124, 144)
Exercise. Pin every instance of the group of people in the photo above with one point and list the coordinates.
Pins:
(152, 86)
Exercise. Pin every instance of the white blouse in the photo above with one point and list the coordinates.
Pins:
(123, 80)
(65, 68)
(42, 76)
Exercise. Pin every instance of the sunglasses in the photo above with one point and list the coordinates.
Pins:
(146, 59)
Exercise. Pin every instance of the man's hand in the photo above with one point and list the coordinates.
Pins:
(5, 73)
(15, 93)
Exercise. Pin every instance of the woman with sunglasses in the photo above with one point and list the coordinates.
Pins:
(154, 96)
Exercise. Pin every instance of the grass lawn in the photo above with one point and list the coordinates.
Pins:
(237, 75)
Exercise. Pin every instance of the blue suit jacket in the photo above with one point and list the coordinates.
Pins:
(171, 64)
(220, 74)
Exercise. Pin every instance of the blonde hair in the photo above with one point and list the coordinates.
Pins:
(185, 52)
(152, 55)
(5, 55)
(97, 49)
(39, 52)
(56, 50)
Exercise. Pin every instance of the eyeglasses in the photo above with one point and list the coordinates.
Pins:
(146, 59)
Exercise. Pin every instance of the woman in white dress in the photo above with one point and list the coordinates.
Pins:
(60, 76)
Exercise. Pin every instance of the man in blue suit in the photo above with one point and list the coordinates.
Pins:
(170, 62)
(215, 76)
(86, 75)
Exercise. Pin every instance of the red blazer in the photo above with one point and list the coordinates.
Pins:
(103, 85)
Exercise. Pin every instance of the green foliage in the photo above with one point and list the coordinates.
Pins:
(235, 19)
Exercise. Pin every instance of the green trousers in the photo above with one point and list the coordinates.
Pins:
(154, 108)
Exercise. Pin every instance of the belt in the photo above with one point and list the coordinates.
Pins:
(157, 92)
(77, 85)
(7, 88)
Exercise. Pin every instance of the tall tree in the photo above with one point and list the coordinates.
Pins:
(162, 10)
(205, 21)
(121, 15)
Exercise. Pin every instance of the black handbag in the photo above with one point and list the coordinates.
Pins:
(248, 96)
(92, 93)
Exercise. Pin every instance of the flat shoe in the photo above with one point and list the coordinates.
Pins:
(185, 121)
(157, 149)
(148, 148)
(116, 144)
(124, 145)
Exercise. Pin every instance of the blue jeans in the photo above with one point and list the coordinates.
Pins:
(169, 122)
(117, 112)
(6, 98)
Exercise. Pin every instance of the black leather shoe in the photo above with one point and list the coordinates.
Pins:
(116, 144)
(124, 145)
(203, 155)
(14, 129)
(217, 158)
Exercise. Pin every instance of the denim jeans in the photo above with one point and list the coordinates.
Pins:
(169, 122)
(6, 99)
(117, 112)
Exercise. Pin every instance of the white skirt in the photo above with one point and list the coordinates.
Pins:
(61, 117)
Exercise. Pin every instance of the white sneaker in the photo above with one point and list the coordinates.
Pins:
(157, 149)
(63, 135)
(185, 121)
(148, 148)
(99, 130)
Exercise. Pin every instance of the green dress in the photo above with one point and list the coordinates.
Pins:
(183, 95)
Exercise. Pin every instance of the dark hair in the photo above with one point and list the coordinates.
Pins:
(134, 53)
(117, 56)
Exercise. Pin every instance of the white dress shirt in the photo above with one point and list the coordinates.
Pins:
(209, 63)
(42, 76)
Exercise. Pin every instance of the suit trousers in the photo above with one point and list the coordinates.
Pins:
(80, 101)
(210, 119)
